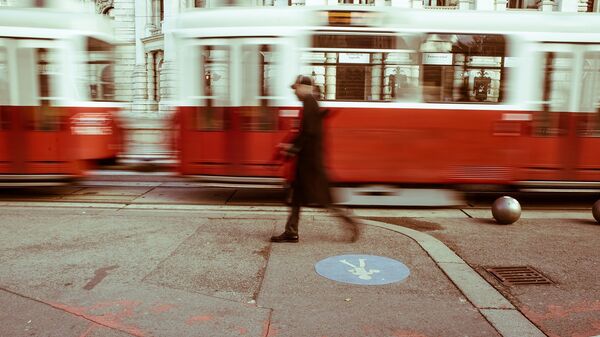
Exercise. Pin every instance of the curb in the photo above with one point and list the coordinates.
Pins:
(503, 316)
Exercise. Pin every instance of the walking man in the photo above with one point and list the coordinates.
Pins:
(310, 186)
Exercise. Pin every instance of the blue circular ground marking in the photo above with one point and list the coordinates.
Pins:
(362, 269)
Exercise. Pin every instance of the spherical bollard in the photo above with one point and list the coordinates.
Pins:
(596, 210)
(506, 210)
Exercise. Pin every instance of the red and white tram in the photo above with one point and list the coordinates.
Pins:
(417, 98)
(57, 114)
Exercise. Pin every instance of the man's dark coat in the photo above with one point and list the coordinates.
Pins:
(310, 185)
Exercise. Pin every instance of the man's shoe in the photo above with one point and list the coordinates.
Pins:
(284, 238)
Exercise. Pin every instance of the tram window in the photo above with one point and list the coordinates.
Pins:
(215, 74)
(4, 93)
(259, 68)
(358, 74)
(590, 95)
(556, 87)
(100, 77)
(45, 117)
(356, 41)
(463, 68)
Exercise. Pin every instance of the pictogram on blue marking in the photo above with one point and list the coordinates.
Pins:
(362, 269)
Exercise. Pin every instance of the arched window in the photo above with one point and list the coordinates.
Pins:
(109, 12)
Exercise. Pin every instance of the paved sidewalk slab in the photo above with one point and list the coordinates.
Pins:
(161, 272)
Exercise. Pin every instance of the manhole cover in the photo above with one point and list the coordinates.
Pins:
(518, 275)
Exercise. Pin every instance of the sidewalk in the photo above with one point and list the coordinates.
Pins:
(107, 272)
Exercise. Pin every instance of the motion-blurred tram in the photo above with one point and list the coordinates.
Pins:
(416, 98)
(57, 109)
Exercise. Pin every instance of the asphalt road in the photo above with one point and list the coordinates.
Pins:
(108, 258)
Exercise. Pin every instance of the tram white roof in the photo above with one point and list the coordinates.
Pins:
(246, 17)
(52, 23)
(547, 26)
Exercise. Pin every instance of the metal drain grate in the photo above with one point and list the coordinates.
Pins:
(518, 275)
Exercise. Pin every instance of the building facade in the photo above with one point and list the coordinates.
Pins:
(144, 69)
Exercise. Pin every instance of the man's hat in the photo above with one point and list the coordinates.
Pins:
(302, 80)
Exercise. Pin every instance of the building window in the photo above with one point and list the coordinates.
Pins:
(158, 13)
(109, 12)
(440, 3)
(357, 2)
(522, 4)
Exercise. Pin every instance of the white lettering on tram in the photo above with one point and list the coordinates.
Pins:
(289, 113)
(516, 117)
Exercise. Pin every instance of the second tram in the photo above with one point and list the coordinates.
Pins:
(57, 115)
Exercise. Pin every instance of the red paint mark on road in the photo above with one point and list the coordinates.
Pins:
(268, 329)
(566, 313)
(242, 331)
(198, 319)
(159, 309)
(558, 312)
(110, 314)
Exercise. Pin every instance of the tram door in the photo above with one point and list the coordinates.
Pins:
(238, 123)
(587, 121)
(5, 160)
(549, 158)
(35, 139)
(564, 134)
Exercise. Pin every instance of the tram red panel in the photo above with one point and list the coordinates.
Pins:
(98, 132)
(417, 146)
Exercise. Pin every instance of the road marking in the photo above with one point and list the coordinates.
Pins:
(99, 275)
(364, 269)
(361, 270)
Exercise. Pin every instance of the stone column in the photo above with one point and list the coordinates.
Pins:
(150, 78)
(140, 93)
(125, 48)
(168, 82)
(168, 74)
(149, 25)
